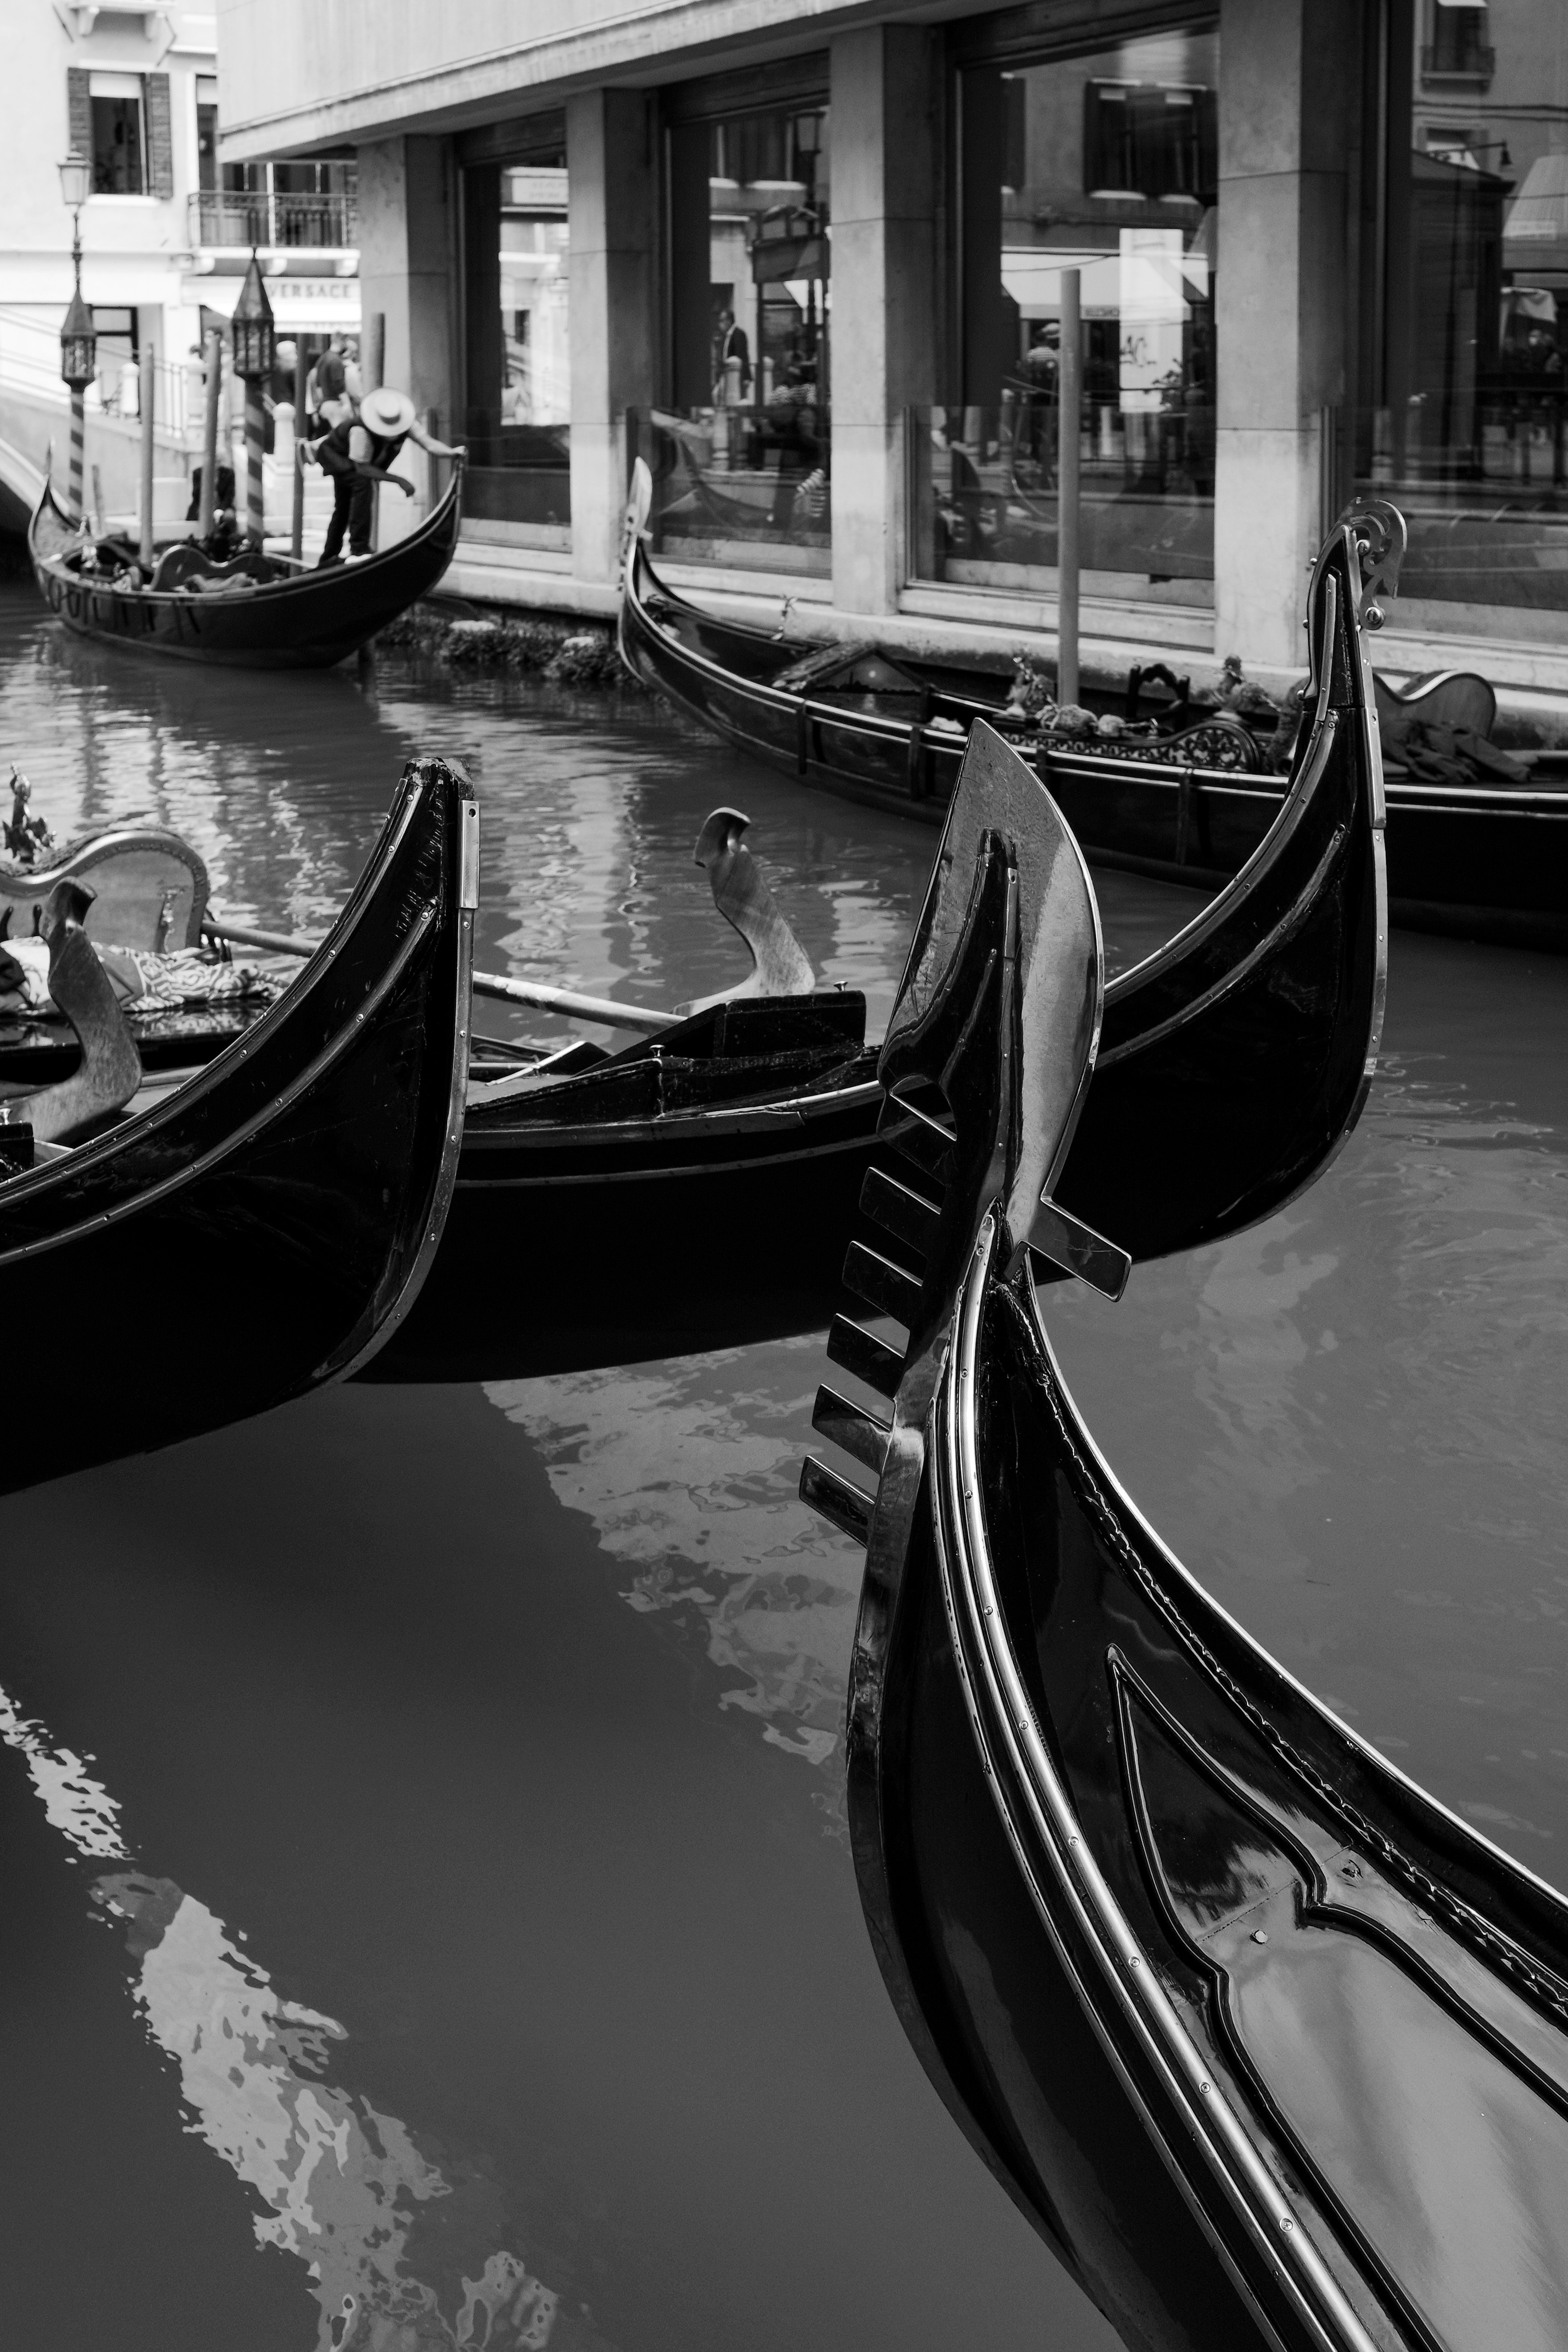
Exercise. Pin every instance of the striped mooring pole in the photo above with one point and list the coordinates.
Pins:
(255, 443)
(79, 339)
(78, 433)
(255, 358)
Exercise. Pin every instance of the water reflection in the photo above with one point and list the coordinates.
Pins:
(658, 2010)
(1348, 1420)
(689, 1473)
(339, 2180)
(590, 809)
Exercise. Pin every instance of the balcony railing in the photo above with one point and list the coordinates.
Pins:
(242, 217)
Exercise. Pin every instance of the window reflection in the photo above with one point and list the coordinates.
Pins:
(1465, 245)
(517, 362)
(1106, 165)
(742, 459)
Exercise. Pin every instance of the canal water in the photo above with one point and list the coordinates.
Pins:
(427, 1913)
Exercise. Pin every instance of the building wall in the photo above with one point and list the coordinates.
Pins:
(141, 254)
(301, 72)
(396, 78)
(131, 243)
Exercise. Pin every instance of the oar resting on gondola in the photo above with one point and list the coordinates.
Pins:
(780, 966)
(1270, 2048)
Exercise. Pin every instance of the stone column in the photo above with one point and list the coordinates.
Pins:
(612, 205)
(1287, 80)
(407, 244)
(885, 333)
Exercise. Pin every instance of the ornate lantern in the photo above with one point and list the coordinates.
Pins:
(255, 335)
(78, 345)
(76, 180)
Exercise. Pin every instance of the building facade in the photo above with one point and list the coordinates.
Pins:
(166, 234)
(809, 261)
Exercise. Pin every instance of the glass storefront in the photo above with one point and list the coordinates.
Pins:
(516, 285)
(1105, 163)
(1465, 297)
(742, 454)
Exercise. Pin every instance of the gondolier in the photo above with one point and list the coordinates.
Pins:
(357, 453)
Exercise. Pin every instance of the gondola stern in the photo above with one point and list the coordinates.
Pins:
(450, 959)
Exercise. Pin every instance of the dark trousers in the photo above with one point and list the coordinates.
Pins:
(353, 511)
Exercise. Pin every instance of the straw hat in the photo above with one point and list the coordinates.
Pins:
(387, 413)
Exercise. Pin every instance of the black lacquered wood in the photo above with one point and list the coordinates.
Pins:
(292, 1194)
(905, 1213)
(1323, 1998)
(305, 621)
(844, 1506)
(852, 1428)
(864, 1353)
(1270, 2048)
(886, 1287)
(769, 1125)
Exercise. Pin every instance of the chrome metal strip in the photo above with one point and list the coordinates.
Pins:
(1254, 2193)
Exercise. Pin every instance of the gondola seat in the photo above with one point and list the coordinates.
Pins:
(191, 567)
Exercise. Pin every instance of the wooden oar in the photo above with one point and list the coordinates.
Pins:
(603, 1008)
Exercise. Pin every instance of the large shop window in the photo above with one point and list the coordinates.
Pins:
(517, 290)
(1464, 337)
(1105, 163)
(741, 455)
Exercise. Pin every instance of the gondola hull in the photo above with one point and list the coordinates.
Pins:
(264, 1229)
(1474, 862)
(1244, 1039)
(598, 1247)
(1270, 2045)
(1270, 2048)
(306, 621)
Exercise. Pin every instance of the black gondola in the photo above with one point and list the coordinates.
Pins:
(1234, 1057)
(268, 611)
(1476, 860)
(265, 1227)
(1270, 2048)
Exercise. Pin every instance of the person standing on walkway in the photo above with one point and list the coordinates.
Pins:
(729, 345)
(357, 453)
(326, 394)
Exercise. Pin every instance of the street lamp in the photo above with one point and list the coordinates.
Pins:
(255, 358)
(78, 344)
(75, 181)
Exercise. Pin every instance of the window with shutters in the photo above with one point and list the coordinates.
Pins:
(118, 147)
(207, 131)
(158, 120)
